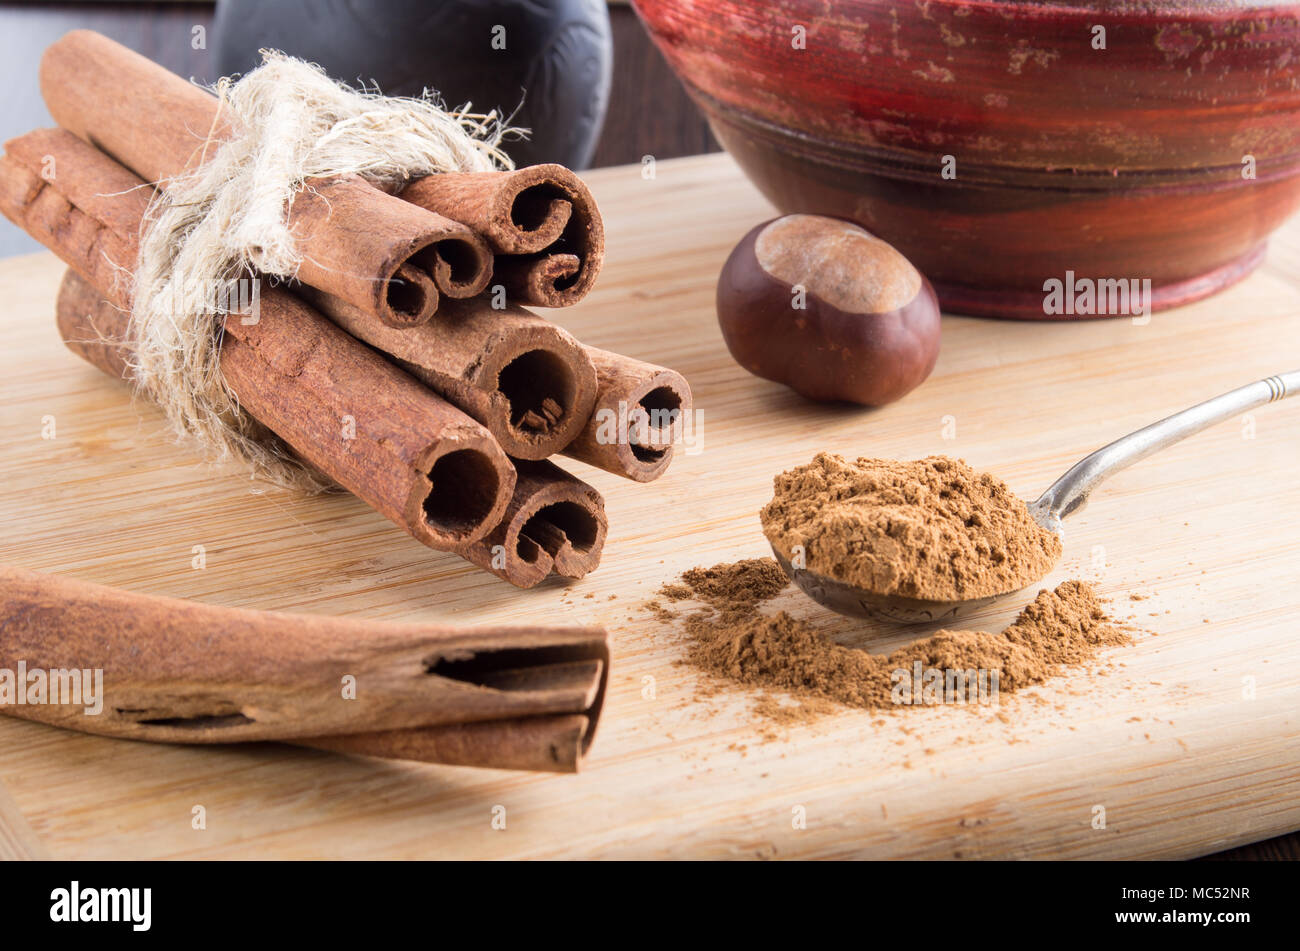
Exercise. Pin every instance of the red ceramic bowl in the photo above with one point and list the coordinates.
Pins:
(1128, 162)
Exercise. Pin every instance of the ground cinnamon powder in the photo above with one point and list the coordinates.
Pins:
(933, 529)
(729, 637)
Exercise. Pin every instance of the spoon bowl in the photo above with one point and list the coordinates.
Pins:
(852, 601)
(1063, 498)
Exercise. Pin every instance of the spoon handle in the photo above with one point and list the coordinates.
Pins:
(1070, 492)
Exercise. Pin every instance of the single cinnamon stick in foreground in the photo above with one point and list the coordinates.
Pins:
(182, 672)
(639, 413)
(364, 423)
(384, 255)
(527, 380)
(554, 523)
(542, 221)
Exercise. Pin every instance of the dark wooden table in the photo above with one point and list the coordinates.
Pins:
(649, 114)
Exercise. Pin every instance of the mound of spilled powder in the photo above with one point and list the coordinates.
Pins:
(934, 529)
(743, 584)
(731, 639)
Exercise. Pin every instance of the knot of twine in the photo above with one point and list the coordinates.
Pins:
(228, 219)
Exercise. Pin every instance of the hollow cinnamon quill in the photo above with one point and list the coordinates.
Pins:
(541, 221)
(388, 257)
(555, 523)
(527, 380)
(344, 409)
(178, 671)
(639, 413)
(518, 212)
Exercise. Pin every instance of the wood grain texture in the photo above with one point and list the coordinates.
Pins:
(17, 840)
(1183, 764)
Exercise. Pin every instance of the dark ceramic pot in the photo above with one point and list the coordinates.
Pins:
(554, 73)
(1112, 155)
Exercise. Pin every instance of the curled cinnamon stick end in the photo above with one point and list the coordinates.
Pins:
(555, 523)
(393, 267)
(525, 379)
(518, 212)
(353, 238)
(410, 298)
(178, 671)
(542, 280)
(639, 414)
(461, 265)
(542, 221)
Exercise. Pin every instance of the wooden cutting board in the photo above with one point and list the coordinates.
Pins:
(1189, 741)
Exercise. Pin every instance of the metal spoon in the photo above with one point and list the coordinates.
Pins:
(1063, 498)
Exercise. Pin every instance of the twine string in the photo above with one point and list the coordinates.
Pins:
(228, 219)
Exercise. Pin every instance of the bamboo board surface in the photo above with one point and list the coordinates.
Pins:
(1169, 740)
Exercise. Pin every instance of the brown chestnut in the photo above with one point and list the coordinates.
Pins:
(828, 309)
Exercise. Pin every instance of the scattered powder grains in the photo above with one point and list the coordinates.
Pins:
(731, 639)
(934, 529)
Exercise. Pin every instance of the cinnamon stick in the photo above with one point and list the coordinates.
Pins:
(381, 254)
(555, 523)
(541, 744)
(518, 212)
(638, 416)
(182, 672)
(542, 221)
(344, 409)
(542, 280)
(527, 380)
(399, 448)
(91, 219)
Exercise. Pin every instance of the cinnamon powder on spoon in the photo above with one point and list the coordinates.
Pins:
(933, 529)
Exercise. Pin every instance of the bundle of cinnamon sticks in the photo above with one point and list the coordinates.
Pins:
(403, 364)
